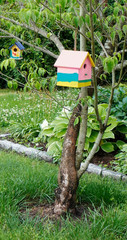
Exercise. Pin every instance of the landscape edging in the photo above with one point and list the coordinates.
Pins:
(42, 155)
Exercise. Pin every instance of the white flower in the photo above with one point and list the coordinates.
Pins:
(44, 124)
(66, 110)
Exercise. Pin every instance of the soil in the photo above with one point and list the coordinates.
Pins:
(104, 159)
(45, 211)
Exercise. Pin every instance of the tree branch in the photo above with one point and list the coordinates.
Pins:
(29, 44)
(84, 165)
(42, 32)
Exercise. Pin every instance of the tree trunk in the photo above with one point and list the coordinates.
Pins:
(67, 178)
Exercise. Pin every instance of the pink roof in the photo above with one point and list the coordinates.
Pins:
(72, 59)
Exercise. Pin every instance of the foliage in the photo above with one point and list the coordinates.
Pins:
(35, 76)
(56, 130)
(119, 105)
(36, 24)
(120, 164)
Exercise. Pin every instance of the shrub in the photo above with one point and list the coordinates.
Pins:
(55, 131)
(119, 106)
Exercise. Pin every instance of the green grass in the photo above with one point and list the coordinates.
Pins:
(31, 108)
(23, 180)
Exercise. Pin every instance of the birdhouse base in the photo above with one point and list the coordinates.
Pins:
(19, 58)
(74, 84)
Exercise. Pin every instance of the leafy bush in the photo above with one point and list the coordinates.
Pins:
(119, 106)
(121, 160)
(55, 131)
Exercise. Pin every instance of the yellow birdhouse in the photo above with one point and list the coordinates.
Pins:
(16, 50)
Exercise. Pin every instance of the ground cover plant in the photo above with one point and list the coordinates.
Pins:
(26, 188)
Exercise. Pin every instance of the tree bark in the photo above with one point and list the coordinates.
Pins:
(67, 177)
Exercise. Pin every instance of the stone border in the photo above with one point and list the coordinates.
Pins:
(27, 151)
(42, 155)
(92, 168)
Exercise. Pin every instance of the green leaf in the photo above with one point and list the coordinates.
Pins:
(59, 120)
(122, 129)
(75, 21)
(125, 29)
(108, 135)
(120, 143)
(87, 19)
(108, 64)
(91, 110)
(93, 136)
(49, 35)
(9, 84)
(113, 34)
(80, 21)
(55, 148)
(94, 17)
(107, 147)
(60, 127)
(38, 41)
(102, 110)
(41, 71)
(87, 143)
(11, 29)
(61, 133)
(123, 18)
(2, 65)
(112, 122)
(99, 34)
(12, 63)
(95, 126)
(58, 6)
(89, 130)
(76, 121)
(35, 15)
(15, 85)
(120, 34)
(63, 4)
(43, 83)
(51, 140)
(119, 56)
(116, 11)
(48, 131)
(37, 85)
(6, 63)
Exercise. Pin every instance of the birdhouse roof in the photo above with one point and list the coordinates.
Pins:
(72, 59)
(18, 44)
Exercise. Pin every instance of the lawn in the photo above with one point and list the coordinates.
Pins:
(30, 109)
(26, 184)
(22, 113)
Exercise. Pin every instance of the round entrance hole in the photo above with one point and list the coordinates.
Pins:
(15, 49)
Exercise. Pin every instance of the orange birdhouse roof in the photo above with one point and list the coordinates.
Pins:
(72, 59)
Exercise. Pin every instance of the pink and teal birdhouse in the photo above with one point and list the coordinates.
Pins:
(16, 50)
(74, 69)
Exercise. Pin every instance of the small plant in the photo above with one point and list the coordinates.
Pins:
(54, 133)
(121, 160)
